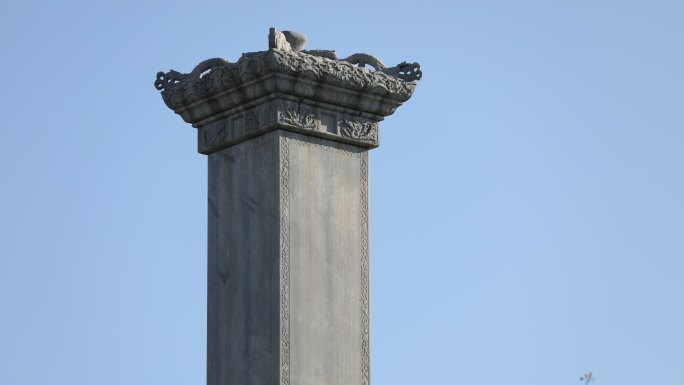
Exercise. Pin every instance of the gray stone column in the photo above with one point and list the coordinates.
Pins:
(287, 133)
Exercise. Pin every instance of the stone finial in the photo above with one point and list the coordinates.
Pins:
(286, 40)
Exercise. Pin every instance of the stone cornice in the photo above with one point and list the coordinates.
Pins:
(199, 96)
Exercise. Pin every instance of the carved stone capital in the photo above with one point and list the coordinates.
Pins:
(289, 88)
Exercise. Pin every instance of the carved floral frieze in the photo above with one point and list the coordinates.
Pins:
(300, 116)
(288, 115)
(360, 130)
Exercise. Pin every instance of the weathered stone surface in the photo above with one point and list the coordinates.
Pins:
(288, 299)
(287, 132)
(243, 311)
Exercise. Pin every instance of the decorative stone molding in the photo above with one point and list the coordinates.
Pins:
(335, 98)
(298, 115)
(365, 276)
(284, 264)
(292, 116)
(202, 94)
(364, 131)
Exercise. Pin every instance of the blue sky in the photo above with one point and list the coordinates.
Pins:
(527, 211)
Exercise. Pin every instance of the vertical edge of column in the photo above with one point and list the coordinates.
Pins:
(365, 274)
(284, 260)
(212, 349)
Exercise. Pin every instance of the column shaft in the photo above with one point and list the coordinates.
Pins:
(288, 299)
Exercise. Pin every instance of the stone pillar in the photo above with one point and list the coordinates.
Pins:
(287, 133)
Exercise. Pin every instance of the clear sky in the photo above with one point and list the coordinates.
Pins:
(527, 217)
